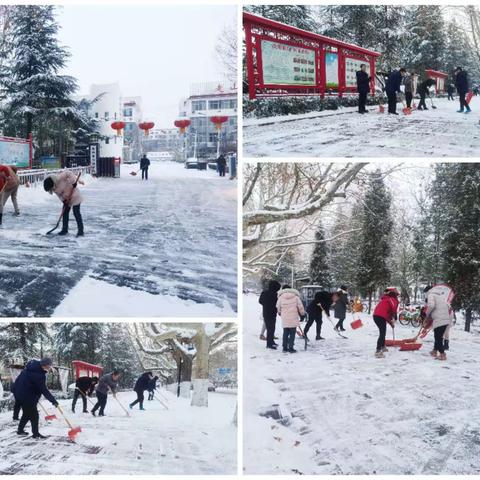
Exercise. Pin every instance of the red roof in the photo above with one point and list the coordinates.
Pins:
(272, 24)
(436, 73)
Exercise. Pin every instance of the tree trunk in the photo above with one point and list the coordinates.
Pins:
(200, 377)
(468, 319)
(369, 302)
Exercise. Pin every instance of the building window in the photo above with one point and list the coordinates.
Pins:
(127, 112)
(213, 137)
(96, 114)
(107, 140)
(106, 115)
(228, 104)
(214, 104)
(198, 105)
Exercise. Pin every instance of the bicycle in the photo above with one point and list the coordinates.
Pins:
(410, 316)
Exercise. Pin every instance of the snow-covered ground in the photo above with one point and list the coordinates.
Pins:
(433, 133)
(182, 440)
(346, 412)
(166, 247)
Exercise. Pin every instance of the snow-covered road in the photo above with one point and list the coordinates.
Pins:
(347, 412)
(183, 440)
(345, 133)
(166, 247)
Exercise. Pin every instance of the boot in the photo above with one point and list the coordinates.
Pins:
(22, 432)
(318, 337)
(39, 436)
(379, 354)
(80, 233)
(141, 408)
(442, 356)
(446, 344)
(263, 337)
(434, 353)
(384, 349)
(63, 232)
(1, 216)
(292, 350)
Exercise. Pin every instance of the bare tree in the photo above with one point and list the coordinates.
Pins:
(226, 50)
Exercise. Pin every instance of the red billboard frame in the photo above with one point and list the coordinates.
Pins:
(258, 28)
(22, 140)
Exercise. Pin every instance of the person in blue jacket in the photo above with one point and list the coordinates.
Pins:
(142, 384)
(392, 87)
(30, 385)
(461, 82)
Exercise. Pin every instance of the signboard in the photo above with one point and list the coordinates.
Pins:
(15, 153)
(50, 162)
(93, 157)
(352, 66)
(331, 70)
(284, 64)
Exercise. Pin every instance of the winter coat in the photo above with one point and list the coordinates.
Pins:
(290, 307)
(85, 384)
(106, 383)
(314, 310)
(394, 81)
(221, 161)
(31, 384)
(438, 310)
(461, 82)
(142, 383)
(409, 84)
(450, 89)
(386, 308)
(268, 300)
(363, 82)
(152, 385)
(63, 188)
(10, 181)
(423, 88)
(144, 163)
(340, 306)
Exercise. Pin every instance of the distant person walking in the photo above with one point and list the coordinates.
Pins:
(392, 87)
(340, 304)
(461, 82)
(144, 164)
(363, 87)
(9, 183)
(450, 91)
(221, 165)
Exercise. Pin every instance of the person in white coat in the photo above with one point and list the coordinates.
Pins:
(440, 313)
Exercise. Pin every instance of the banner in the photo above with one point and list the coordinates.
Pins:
(352, 66)
(331, 70)
(287, 64)
(14, 154)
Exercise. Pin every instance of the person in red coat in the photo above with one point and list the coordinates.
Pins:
(385, 312)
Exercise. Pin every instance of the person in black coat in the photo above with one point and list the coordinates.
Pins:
(83, 386)
(340, 307)
(29, 387)
(423, 91)
(461, 82)
(322, 302)
(144, 164)
(363, 87)
(221, 165)
(152, 386)
(392, 87)
(17, 406)
(141, 385)
(450, 91)
(268, 301)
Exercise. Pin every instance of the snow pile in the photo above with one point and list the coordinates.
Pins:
(182, 440)
(335, 409)
(437, 132)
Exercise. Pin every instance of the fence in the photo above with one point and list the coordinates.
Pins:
(33, 177)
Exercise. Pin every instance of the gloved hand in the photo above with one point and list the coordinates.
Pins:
(75, 185)
(55, 404)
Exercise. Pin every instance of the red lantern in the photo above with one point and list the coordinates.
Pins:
(146, 126)
(218, 121)
(118, 126)
(182, 124)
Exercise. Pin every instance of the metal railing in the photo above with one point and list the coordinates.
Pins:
(34, 177)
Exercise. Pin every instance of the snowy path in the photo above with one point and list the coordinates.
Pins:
(166, 247)
(181, 440)
(355, 414)
(433, 133)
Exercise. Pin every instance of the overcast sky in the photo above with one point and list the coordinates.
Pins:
(155, 52)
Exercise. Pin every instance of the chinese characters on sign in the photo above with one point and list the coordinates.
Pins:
(14, 154)
(287, 64)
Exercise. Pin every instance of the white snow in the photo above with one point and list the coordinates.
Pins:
(182, 440)
(347, 412)
(166, 247)
(433, 133)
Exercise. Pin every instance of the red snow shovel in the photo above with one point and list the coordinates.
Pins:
(74, 431)
(48, 417)
(381, 109)
(410, 346)
(469, 97)
(356, 324)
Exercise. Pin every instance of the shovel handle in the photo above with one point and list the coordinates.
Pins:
(64, 417)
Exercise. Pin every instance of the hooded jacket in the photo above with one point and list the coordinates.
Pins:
(85, 384)
(31, 384)
(63, 188)
(9, 179)
(386, 308)
(290, 307)
(340, 306)
(268, 300)
(142, 383)
(438, 309)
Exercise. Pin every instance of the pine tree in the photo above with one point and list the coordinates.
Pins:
(299, 16)
(319, 269)
(373, 270)
(20, 342)
(35, 91)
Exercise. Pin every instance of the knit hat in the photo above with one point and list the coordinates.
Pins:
(46, 362)
(48, 184)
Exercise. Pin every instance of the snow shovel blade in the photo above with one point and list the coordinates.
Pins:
(356, 324)
(72, 433)
(50, 417)
(381, 109)
(410, 346)
(409, 340)
(406, 111)
(394, 343)
(133, 173)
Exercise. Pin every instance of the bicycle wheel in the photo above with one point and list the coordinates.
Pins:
(403, 318)
(415, 320)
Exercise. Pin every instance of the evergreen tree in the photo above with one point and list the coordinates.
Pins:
(373, 270)
(319, 269)
(299, 16)
(36, 93)
(20, 342)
